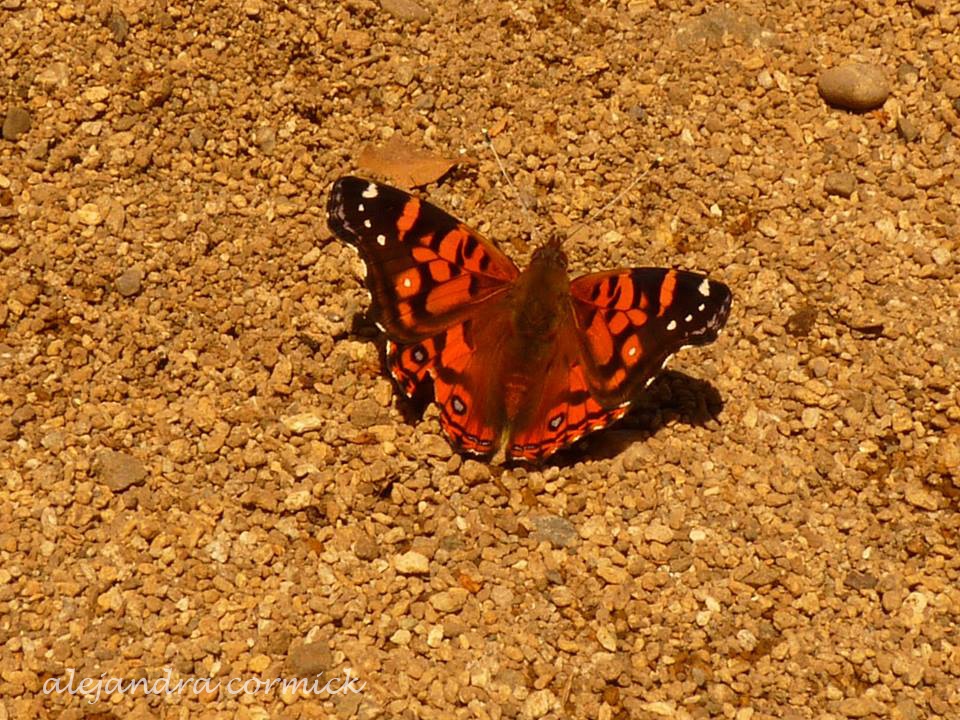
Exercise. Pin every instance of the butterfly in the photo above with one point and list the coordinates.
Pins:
(528, 361)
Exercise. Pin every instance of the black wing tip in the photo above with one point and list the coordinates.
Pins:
(341, 190)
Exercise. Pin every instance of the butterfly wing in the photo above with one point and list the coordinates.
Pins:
(426, 271)
(624, 326)
(431, 279)
(631, 321)
(562, 409)
(465, 381)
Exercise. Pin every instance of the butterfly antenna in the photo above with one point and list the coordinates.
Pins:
(506, 175)
(597, 213)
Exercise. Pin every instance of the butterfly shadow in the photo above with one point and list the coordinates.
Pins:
(673, 397)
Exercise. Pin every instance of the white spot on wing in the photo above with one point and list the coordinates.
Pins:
(704, 288)
(407, 282)
(381, 240)
(360, 207)
(688, 318)
(672, 325)
(632, 351)
(367, 224)
(701, 308)
(370, 192)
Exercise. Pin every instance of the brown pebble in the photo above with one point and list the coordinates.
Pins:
(556, 530)
(119, 26)
(16, 123)
(22, 415)
(128, 284)
(366, 547)
(449, 600)
(119, 471)
(854, 86)
(8, 431)
(840, 183)
(406, 10)
(365, 413)
(310, 659)
(907, 130)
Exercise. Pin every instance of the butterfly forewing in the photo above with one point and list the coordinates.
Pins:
(425, 269)
(631, 321)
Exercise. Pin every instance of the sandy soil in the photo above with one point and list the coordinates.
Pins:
(204, 470)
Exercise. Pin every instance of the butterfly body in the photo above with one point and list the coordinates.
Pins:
(532, 360)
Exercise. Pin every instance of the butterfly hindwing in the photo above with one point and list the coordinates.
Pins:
(631, 321)
(565, 411)
(463, 387)
(425, 269)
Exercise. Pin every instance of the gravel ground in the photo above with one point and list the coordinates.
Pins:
(204, 472)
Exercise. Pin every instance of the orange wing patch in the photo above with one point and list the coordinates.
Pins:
(407, 219)
(668, 289)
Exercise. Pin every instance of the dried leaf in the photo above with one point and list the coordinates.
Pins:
(404, 164)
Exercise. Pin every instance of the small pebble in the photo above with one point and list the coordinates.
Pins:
(119, 471)
(449, 600)
(197, 138)
(557, 531)
(907, 130)
(854, 86)
(96, 94)
(128, 284)
(412, 563)
(908, 74)
(9, 243)
(119, 26)
(840, 183)
(303, 423)
(365, 413)
(406, 10)
(16, 123)
(919, 496)
(658, 532)
(266, 139)
(810, 417)
(366, 548)
(310, 659)
(89, 214)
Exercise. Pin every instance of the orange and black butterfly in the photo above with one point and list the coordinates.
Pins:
(529, 360)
